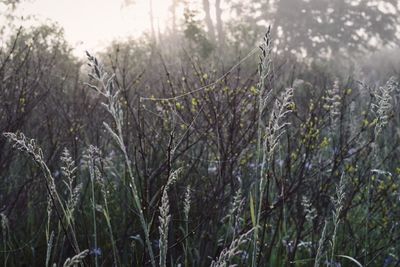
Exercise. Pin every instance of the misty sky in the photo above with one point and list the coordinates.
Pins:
(91, 24)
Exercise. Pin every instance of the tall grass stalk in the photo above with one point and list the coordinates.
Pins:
(321, 246)
(229, 253)
(73, 193)
(165, 218)
(339, 205)
(93, 152)
(271, 138)
(106, 213)
(5, 231)
(49, 248)
(264, 70)
(269, 131)
(108, 90)
(186, 210)
(48, 223)
(30, 147)
(333, 105)
(77, 259)
(382, 108)
(235, 212)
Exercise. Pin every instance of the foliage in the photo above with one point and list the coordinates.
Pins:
(193, 32)
(176, 160)
(324, 27)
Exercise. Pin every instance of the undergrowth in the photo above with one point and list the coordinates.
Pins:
(218, 172)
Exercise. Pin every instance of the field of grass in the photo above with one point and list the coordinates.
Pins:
(153, 161)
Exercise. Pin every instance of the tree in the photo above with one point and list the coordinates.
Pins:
(208, 20)
(10, 2)
(323, 27)
(219, 23)
(195, 34)
(215, 29)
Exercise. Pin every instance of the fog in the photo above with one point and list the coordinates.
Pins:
(304, 28)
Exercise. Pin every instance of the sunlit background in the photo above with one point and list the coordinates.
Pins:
(92, 24)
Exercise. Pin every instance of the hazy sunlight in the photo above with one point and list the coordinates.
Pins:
(91, 24)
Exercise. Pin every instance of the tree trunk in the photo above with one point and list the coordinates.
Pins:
(153, 30)
(220, 30)
(208, 20)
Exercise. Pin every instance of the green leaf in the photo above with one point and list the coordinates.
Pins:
(352, 259)
(253, 217)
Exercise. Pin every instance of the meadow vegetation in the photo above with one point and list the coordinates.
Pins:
(141, 157)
